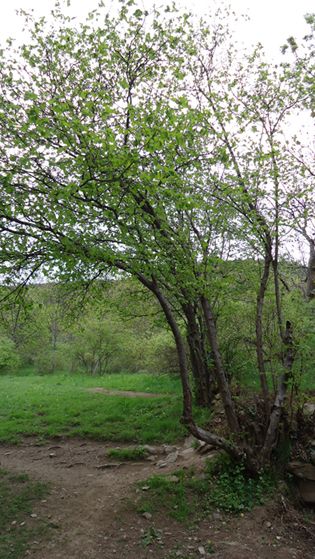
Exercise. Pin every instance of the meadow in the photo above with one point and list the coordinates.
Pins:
(61, 405)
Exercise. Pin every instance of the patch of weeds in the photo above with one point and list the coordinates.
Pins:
(19, 478)
(209, 548)
(226, 485)
(18, 494)
(134, 455)
(148, 536)
(233, 488)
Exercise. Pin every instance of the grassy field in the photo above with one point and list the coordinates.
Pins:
(60, 404)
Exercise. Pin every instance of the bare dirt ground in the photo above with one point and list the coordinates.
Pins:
(92, 508)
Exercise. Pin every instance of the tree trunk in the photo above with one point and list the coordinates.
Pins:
(259, 335)
(310, 285)
(276, 413)
(219, 370)
(187, 418)
(199, 366)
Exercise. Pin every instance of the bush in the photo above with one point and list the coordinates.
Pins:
(9, 358)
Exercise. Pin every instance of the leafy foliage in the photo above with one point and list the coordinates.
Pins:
(233, 489)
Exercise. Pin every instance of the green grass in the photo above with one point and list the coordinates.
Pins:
(128, 454)
(54, 405)
(18, 495)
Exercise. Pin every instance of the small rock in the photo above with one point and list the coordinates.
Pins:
(309, 409)
(150, 449)
(174, 479)
(168, 449)
(172, 457)
(14, 522)
(33, 515)
(145, 488)
(216, 516)
(151, 458)
(202, 550)
(187, 451)
(22, 524)
(147, 515)
(161, 464)
(267, 524)
(190, 441)
(52, 454)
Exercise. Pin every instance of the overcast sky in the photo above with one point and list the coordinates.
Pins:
(271, 21)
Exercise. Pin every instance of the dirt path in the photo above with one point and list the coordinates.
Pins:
(92, 507)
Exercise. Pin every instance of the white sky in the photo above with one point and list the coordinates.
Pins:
(271, 21)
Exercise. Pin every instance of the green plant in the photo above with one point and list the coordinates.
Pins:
(148, 536)
(233, 488)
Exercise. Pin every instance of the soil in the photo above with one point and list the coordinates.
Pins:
(92, 510)
(128, 393)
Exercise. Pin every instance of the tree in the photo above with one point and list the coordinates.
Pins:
(121, 153)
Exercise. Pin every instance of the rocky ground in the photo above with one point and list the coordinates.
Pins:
(92, 509)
